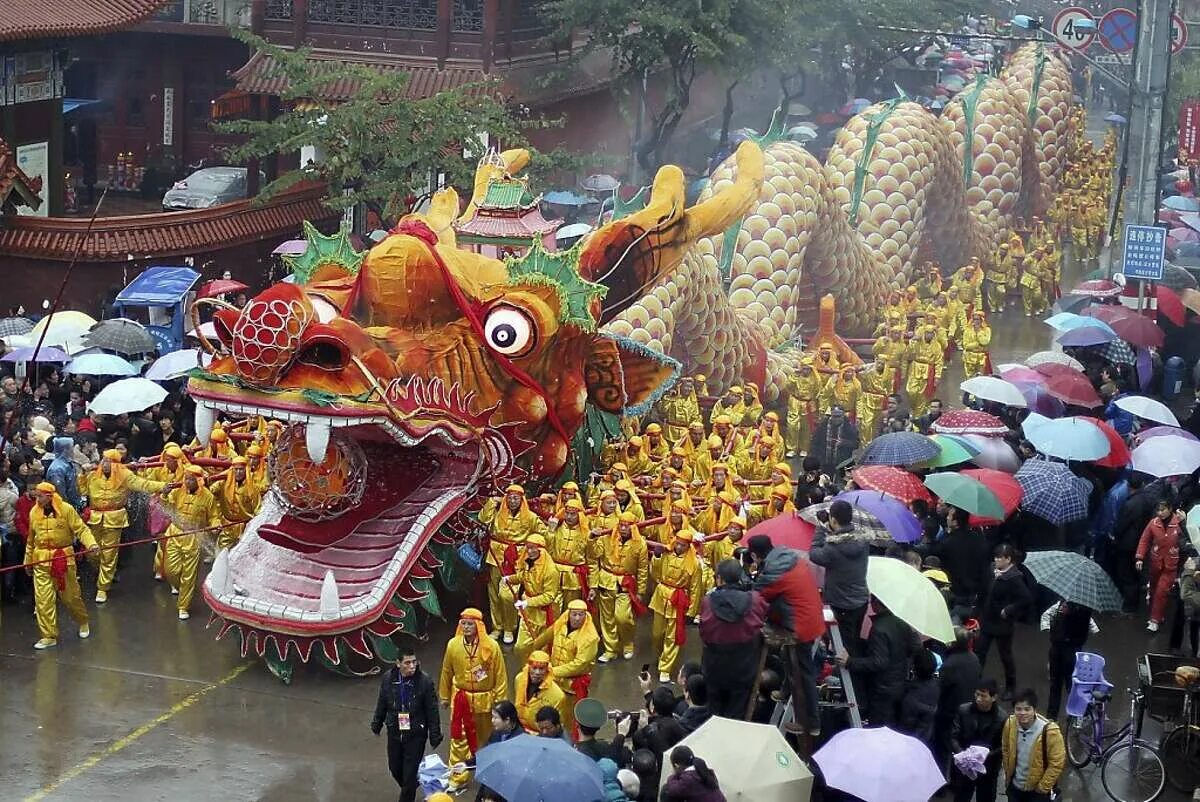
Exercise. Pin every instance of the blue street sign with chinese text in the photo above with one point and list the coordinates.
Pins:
(1145, 248)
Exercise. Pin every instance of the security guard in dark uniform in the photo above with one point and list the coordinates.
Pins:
(408, 706)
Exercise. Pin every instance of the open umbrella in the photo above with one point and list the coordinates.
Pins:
(855, 106)
(221, 286)
(177, 364)
(1182, 204)
(15, 325)
(786, 531)
(994, 453)
(1066, 438)
(1163, 431)
(539, 770)
(878, 764)
(966, 493)
(991, 388)
(1118, 452)
(1098, 334)
(100, 365)
(291, 247)
(1075, 579)
(1073, 388)
(1147, 408)
(1098, 288)
(1118, 351)
(900, 448)
(1053, 357)
(895, 482)
(1139, 330)
(1016, 373)
(912, 597)
(127, 395)
(969, 421)
(1189, 298)
(564, 197)
(1170, 455)
(1113, 117)
(46, 354)
(1048, 369)
(1069, 321)
(1170, 305)
(123, 336)
(1038, 397)
(898, 519)
(62, 327)
(954, 451)
(1006, 489)
(869, 527)
(764, 767)
(1052, 492)
(600, 183)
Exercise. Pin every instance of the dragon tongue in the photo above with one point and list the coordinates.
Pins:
(316, 438)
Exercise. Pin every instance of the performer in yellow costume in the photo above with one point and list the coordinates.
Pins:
(681, 409)
(569, 491)
(731, 439)
(676, 573)
(534, 688)
(627, 497)
(678, 462)
(757, 466)
(731, 405)
(826, 363)
(1031, 283)
(509, 524)
(473, 679)
(605, 517)
(924, 370)
(842, 390)
(107, 488)
(752, 408)
(780, 502)
(929, 286)
(534, 589)
(193, 507)
(997, 278)
(256, 467)
(622, 574)
(53, 528)
(702, 462)
(692, 443)
(170, 472)
(976, 339)
(895, 315)
(569, 546)
(657, 447)
(239, 498)
(574, 644)
(803, 392)
(721, 545)
(876, 384)
(636, 460)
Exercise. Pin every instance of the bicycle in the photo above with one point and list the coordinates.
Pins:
(1180, 748)
(1130, 768)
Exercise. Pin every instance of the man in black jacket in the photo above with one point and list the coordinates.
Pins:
(883, 669)
(959, 677)
(1135, 513)
(978, 723)
(408, 706)
(1069, 625)
(964, 554)
(842, 551)
(1007, 602)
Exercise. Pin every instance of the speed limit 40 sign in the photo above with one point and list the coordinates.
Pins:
(1066, 30)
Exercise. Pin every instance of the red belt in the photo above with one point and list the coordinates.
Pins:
(629, 585)
(508, 563)
(462, 722)
(680, 600)
(581, 571)
(58, 569)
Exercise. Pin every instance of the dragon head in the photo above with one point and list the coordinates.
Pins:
(411, 384)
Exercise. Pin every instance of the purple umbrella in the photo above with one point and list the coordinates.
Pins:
(1039, 399)
(900, 523)
(878, 764)
(1087, 335)
(46, 354)
(292, 247)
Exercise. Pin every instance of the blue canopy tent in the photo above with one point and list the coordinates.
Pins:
(166, 293)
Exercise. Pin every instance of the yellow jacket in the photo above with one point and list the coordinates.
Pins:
(679, 411)
(238, 503)
(548, 695)
(572, 654)
(569, 547)
(193, 511)
(718, 549)
(1041, 778)
(673, 571)
(49, 533)
(539, 588)
(108, 502)
(479, 672)
(977, 341)
(615, 559)
(505, 529)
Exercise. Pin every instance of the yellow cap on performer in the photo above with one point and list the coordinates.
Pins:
(112, 454)
(653, 428)
(627, 518)
(539, 658)
(574, 504)
(173, 450)
(194, 470)
(46, 487)
(254, 451)
(536, 540)
(239, 461)
(685, 535)
(577, 604)
(470, 614)
(515, 489)
(218, 435)
(724, 419)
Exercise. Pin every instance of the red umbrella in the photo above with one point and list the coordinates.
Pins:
(787, 531)
(1118, 454)
(1020, 373)
(827, 118)
(969, 421)
(1073, 388)
(1050, 369)
(221, 286)
(1098, 288)
(1138, 330)
(895, 482)
(1170, 305)
(1006, 488)
(1107, 312)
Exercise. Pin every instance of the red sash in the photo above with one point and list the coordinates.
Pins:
(508, 565)
(629, 585)
(58, 569)
(680, 600)
(581, 571)
(580, 685)
(462, 722)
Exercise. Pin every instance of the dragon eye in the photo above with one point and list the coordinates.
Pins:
(509, 331)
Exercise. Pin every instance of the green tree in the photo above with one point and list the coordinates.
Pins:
(379, 146)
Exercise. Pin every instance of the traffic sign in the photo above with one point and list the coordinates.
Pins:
(1145, 250)
(1065, 31)
(1118, 30)
(1179, 33)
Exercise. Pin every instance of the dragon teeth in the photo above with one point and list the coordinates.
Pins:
(316, 438)
(218, 577)
(206, 416)
(330, 601)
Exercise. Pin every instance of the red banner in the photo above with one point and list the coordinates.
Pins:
(1189, 132)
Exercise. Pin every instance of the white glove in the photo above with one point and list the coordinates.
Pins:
(521, 605)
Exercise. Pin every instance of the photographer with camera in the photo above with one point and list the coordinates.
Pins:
(731, 620)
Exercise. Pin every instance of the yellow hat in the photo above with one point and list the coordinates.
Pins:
(740, 520)
(112, 454)
(636, 440)
(619, 466)
(653, 428)
(574, 504)
(678, 452)
(174, 450)
(536, 540)
(254, 451)
(46, 487)
(470, 614)
(626, 485)
(783, 468)
(779, 492)
(682, 506)
(239, 461)
(194, 470)
(715, 441)
(696, 425)
(539, 658)
(735, 389)
(685, 535)
(218, 435)
(937, 575)
(440, 796)
(721, 465)
(772, 416)
(570, 486)
(627, 518)
(515, 489)
(577, 604)
(725, 419)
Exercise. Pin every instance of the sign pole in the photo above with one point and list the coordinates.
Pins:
(1141, 296)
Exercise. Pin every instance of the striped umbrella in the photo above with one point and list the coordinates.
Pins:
(1119, 351)
(1075, 578)
(890, 480)
(123, 336)
(1052, 492)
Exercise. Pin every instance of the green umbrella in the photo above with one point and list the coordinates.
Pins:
(966, 494)
(955, 451)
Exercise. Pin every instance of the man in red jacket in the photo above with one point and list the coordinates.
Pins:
(785, 580)
(731, 620)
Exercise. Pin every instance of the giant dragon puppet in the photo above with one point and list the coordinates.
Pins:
(416, 381)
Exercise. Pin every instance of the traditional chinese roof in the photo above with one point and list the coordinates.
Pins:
(165, 233)
(508, 194)
(16, 188)
(508, 212)
(39, 19)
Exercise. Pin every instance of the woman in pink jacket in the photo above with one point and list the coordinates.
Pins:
(1160, 543)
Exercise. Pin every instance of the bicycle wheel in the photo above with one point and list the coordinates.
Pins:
(1180, 752)
(1132, 772)
(1081, 737)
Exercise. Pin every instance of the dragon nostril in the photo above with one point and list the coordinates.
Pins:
(325, 354)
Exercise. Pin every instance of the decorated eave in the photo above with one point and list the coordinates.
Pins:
(508, 215)
(39, 19)
(16, 188)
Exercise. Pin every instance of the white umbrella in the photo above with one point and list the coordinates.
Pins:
(911, 597)
(1169, 455)
(762, 768)
(176, 364)
(1147, 409)
(1057, 357)
(991, 388)
(100, 365)
(127, 395)
(63, 327)
(993, 453)
(209, 330)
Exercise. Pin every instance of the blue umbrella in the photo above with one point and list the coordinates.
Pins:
(1069, 321)
(900, 448)
(1072, 303)
(899, 521)
(563, 197)
(100, 365)
(1066, 438)
(46, 354)
(1087, 335)
(1052, 492)
(1181, 204)
(531, 769)
(1113, 117)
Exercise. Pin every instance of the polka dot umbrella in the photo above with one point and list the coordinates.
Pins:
(890, 480)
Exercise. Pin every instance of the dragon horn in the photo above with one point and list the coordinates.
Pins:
(731, 203)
